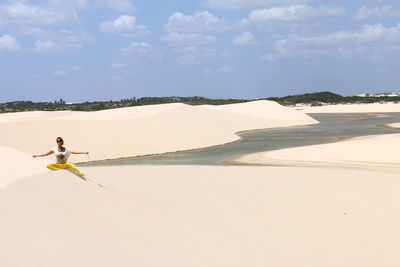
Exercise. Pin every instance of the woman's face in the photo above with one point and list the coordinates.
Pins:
(60, 142)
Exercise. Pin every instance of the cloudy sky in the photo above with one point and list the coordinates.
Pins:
(86, 50)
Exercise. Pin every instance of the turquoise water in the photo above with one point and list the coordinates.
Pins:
(330, 128)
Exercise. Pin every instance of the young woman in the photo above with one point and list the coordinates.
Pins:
(62, 153)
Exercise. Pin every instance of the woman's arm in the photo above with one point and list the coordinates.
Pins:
(43, 155)
(74, 152)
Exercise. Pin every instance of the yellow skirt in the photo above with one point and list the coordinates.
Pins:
(62, 166)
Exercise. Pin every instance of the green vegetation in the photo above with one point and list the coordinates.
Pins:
(18, 106)
(313, 99)
(320, 98)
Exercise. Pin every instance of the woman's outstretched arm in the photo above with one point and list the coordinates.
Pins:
(43, 155)
(74, 152)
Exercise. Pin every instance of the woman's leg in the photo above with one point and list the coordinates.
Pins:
(68, 165)
(73, 168)
(57, 166)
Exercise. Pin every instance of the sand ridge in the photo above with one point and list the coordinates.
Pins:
(139, 130)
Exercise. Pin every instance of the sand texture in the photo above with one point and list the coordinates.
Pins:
(328, 205)
(378, 151)
(202, 216)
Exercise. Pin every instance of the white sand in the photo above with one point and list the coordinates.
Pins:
(393, 125)
(202, 216)
(343, 213)
(140, 130)
(378, 151)
(352, 108)
(16, 165)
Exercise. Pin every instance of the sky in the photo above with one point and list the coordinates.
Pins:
(101, 50)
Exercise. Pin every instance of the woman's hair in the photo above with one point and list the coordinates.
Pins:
(59, 139)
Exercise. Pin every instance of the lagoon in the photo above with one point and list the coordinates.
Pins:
(332, 127)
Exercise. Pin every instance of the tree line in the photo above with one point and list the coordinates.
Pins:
(315, 99)
(18, 106)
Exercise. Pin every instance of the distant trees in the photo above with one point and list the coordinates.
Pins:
(61, 102)
(313, 99)
(329, 98)
(17, 106)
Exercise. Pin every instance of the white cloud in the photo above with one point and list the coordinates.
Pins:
(199, 22)
(190, 55)
(21, 12)
(370, 41)
(246, 38)
(364, 13)
(57, 41)
(60, 73)
(135, 47)
(235, 4)
(70, 4)
(226, 69)
(8, 43)
(268, 57)
(119, 5)
(60, 36)
(140, 51)
(185, 39)
(189, 30)
(53, 12)
(125, 25)
(45, 46)
(117, 65)
(296, 13)
(76, 68)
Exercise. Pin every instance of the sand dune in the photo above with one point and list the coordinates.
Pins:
(140, 130)
(378, 151)
(134, 131)
(344, 212)
(16, 164)
(259, 109)
(129, 113)
(202, 216)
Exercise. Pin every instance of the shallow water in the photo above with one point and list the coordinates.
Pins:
(330, 128)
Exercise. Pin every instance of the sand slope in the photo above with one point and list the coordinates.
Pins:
(202, 216)
(16, 164)
(377, 151)
(140, 130)
(195, 215)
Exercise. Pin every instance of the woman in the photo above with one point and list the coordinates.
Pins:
(62, 153)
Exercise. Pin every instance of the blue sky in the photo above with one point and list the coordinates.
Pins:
(86, 50)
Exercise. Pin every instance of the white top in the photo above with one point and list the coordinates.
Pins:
(62, 157)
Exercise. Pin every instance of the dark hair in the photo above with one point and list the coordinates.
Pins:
(59, 139)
